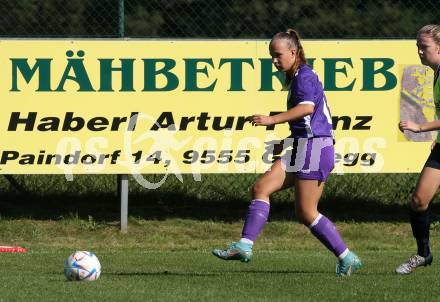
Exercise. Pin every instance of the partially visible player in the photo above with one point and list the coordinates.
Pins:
(428, 46)
(306, 168)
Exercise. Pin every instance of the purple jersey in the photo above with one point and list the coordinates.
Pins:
(307, 89)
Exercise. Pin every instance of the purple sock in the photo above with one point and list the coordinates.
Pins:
(326, 232)
(256, 218)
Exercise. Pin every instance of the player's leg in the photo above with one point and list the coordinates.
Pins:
(420, 212)
(258, 212)
(307, 195)
(420, 209)
(272, 181)
(309, 185)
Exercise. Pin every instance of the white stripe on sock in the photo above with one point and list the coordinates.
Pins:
(261, 200)
(344, 253)
(315, 222)
(247, 241)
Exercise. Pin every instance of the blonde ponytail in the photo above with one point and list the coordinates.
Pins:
(294, 40)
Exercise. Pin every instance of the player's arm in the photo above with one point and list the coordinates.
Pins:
(414, 127)
(295, 113)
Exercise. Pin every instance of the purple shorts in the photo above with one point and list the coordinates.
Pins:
(310, 158)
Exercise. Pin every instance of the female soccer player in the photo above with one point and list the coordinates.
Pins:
(308, 165)
(428, 46)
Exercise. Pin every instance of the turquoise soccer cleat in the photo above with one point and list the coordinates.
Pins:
(347, 266)
(235, 251)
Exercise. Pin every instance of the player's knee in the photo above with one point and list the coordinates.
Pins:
(259, 189)
(418, 202)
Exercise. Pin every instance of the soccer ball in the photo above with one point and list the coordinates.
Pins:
(82, 266)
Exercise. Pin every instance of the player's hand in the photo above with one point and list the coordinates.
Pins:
(262, 120)
(408, 125)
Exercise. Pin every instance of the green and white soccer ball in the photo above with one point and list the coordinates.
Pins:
(82, 266)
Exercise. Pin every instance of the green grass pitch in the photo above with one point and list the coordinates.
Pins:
(170, 260)
(135, 275)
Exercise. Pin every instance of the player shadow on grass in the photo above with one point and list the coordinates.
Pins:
(215, 274)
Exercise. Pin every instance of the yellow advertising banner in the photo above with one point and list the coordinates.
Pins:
(155, 106)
